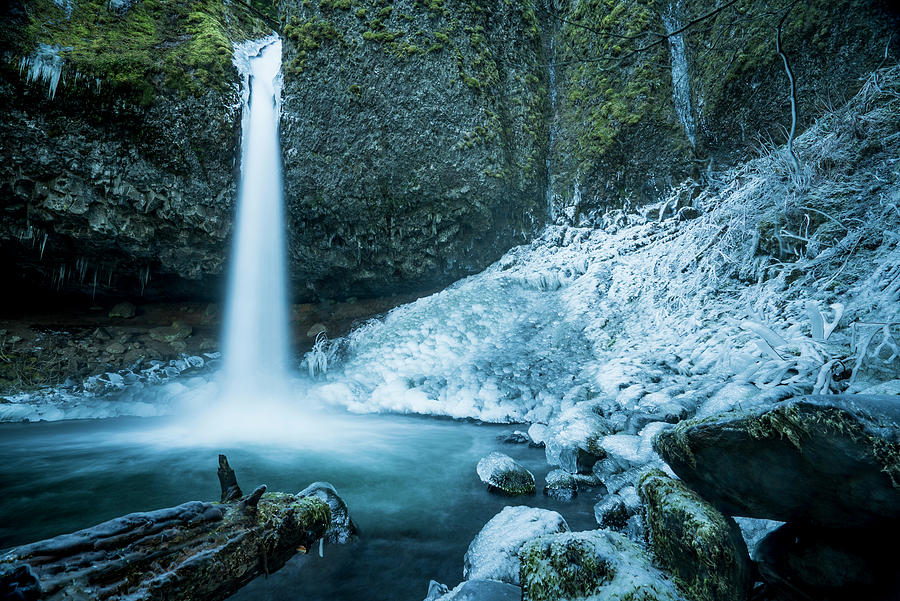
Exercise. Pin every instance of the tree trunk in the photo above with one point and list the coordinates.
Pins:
(196, 551)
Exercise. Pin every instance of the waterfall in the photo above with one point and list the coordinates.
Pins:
(256, 321)
(681, 85)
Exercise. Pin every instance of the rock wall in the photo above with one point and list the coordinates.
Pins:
(637, 109)
(421, 138)
(120, 123)
(414, 139)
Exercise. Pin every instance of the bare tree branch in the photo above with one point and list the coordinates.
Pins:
(793, 84)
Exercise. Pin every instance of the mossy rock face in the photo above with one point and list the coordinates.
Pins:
(693, 541)
(843, 451)
(414, 137)
(138, 50)
(619, 140)
(597, 564)
(124, 181)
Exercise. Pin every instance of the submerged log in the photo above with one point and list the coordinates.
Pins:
(196, 551)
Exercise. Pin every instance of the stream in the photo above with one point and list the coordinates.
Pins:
(409, 481)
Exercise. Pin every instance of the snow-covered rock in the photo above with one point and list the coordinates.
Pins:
(597, 564)
(493, 553)
(342, 529)
(573, 437)
(560, 485)
(504, 474)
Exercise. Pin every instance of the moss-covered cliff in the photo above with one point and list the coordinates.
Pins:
(652, 92)
(119, 132)
(414, 137)
(421, 138)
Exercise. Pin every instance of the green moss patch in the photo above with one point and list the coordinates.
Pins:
(154, 46)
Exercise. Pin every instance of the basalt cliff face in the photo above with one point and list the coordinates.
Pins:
(414, 138)
(421, 138)
(120, 123)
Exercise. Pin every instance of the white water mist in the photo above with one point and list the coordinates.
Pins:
(256, 321)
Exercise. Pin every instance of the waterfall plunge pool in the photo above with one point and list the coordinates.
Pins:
(409, 481)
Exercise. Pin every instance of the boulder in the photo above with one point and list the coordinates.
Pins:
(560, 485)
(341, 529)
(493, 553)
(615, 510)
(771, 463)
(597, 564)
(803, 562)
(573, 437)
(505, 475)
(516, 437)
(123, 310)
(693, 541)
(177, 332)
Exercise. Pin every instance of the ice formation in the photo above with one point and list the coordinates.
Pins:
(45, 65)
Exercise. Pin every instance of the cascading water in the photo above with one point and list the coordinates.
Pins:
(256, 321)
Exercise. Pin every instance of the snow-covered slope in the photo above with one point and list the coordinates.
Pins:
(761, 278)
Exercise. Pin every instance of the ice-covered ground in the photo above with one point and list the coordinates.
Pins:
(760, 279)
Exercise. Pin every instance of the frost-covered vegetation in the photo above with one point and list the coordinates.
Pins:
(759, 278)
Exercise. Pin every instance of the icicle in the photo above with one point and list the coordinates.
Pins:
(321, 547)
(43, 244)
(45, 65)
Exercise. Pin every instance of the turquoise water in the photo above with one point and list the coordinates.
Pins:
(410, 483)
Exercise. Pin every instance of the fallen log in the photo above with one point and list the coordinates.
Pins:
(197, 551)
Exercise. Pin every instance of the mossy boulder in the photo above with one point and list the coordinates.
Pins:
(598, 564)
(831, 460)
(505, 475)
(693, 541)
(494, 553)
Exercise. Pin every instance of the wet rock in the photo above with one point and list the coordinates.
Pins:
(573, 438)
(504, 474)
(769, 463)
(116, 348)
(616, 509)
(598, 564)
(123, 310)
(493, 553)
(517, 437)
(177, 332)
(693, 541)
(483, 590)
(342, 529)
(754, 530)
(560, 485)
(805, 563)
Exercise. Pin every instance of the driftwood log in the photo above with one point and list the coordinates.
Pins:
(196, 551)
